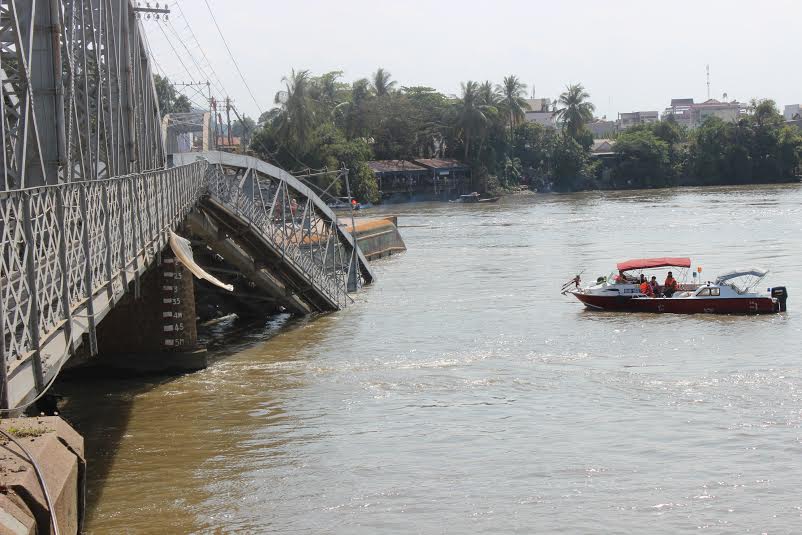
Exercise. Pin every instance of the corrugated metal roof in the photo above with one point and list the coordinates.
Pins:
(394, 166)
(441, 163)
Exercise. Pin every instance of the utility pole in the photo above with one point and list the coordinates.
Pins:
(245, 137)
(228, 120)
(708, 81)
(213, 145)
(214, 118)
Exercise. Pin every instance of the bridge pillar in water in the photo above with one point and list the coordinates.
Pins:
(157, 331)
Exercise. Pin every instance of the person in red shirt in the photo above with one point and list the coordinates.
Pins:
(671, 286)
(645, 287)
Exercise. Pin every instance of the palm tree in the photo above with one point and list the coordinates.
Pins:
(382, 82)
(511, 91)
(326, 89)
(487, 94)
(296, 117)
(352, 115)
(471, 116)
(576, 111)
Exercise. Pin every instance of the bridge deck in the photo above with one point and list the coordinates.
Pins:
(69, 252)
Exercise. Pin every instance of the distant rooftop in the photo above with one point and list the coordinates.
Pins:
(715, 102)
(393, 166)
(444, 163)
(681, 102)
(602, 146)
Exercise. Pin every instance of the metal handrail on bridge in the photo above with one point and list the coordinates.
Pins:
(69, 252)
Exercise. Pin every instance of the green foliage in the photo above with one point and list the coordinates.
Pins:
(576, 112)
(320, 121)
(364, 186)
(513, 171)
(756, 148)
(382, 83)
(169, 99)
(572, 168)
(243, 129)
(473, 118)
(512, 102)
(297, 114)
(644, 159)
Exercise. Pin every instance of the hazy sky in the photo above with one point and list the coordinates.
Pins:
(630, 55)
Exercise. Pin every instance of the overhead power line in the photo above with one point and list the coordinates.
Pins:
(233, 59)
(177, 55)
(219, 83)
(201, 71)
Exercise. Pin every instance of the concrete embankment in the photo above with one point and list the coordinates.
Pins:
(58, 452)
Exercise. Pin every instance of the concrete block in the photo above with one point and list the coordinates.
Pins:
(59, 451)
(15, 517)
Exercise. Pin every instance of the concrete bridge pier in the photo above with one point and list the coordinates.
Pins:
(156, 332)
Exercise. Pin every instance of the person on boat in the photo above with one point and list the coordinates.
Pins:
(671, 286)
(655, 286)
(645, 287)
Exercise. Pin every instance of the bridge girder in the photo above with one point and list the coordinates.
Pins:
(77, 98)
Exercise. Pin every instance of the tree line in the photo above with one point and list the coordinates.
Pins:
(323, 122)
(758, 147)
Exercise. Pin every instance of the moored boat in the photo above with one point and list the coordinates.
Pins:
(731, 293)
(474, 197)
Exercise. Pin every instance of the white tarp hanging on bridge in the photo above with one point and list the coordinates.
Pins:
(183, 251)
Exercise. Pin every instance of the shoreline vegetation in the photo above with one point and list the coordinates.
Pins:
(322, 122)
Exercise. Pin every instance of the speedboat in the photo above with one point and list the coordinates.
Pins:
(730, 293)
(474, 198)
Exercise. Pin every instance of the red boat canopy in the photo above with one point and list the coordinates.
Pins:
(646, 263)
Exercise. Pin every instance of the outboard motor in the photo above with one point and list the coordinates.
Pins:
(781, 295)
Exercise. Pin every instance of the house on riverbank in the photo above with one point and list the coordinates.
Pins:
(422, 179)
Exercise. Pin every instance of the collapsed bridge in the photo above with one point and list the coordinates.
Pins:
(88, 203)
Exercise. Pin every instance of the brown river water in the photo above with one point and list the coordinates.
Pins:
(463, 394)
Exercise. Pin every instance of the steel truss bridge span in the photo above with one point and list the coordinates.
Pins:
(69, 252)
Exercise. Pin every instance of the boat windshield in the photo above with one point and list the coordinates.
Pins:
(743, 280)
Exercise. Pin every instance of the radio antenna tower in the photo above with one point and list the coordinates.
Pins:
(708, 81)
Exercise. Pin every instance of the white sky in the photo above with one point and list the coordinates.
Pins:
(631, 55)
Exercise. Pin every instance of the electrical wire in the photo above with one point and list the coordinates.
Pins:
(177, 55)
(40, 478)
(201, 71)
(233, 59)
(220, 85)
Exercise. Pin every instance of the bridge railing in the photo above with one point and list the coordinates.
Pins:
(293, 219)
(291, 222)
(68, 252)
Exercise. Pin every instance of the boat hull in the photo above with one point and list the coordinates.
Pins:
(686, 305)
